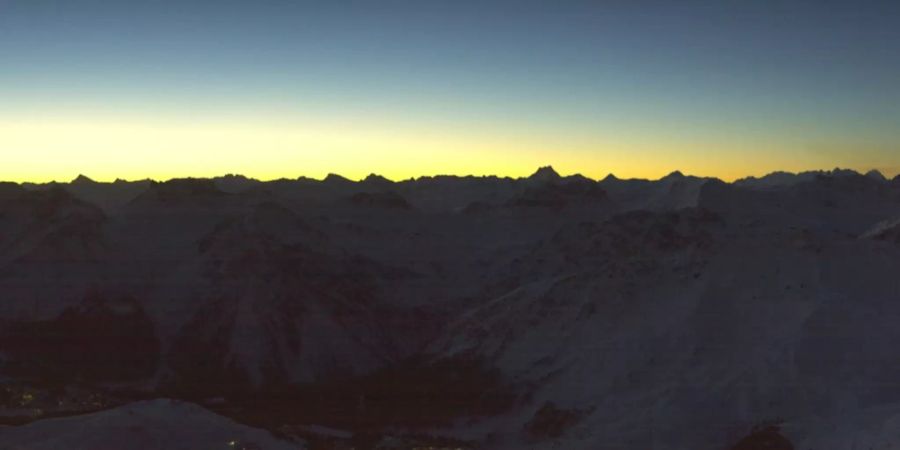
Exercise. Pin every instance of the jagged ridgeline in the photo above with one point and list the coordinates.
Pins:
(541, 312)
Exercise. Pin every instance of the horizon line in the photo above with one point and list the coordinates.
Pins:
(610, 175)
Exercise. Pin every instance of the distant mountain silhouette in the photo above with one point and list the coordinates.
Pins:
(545, 174)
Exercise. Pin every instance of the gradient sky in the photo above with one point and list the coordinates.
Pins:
(277, 88)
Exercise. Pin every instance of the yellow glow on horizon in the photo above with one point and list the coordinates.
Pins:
(104, 151)
(60, 149)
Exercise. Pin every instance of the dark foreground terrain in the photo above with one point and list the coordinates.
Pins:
(452, 312)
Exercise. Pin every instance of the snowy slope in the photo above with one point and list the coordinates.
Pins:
(279, 302)
(673, 313)
(156, 424)
(685, 333)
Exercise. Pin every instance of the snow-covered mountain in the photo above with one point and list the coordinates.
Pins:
(279, 302)
(684, 312)
(157, 424)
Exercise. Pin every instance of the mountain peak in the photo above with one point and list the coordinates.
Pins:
(10, 190)
(375, 178)
(335, 178)
(838, 172)
(82, 179)
(233, 176)
(674, 175)
(545, 173)
(875, 174)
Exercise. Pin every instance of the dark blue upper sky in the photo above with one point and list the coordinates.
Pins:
(597, 84)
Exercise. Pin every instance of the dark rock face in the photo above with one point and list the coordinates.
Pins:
(636, 234)
(389, 200)
(180, 191)
(274, 289)
(551, 422)
(102, 339)
(545, 174)
(50, 226)
(889, 233)
(768, 438)
(477, 208)
(557, 195)
(199, 356)
(50, 205)
(419, 393)
(10, 190)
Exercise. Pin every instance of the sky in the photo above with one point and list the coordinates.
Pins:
(278, 88)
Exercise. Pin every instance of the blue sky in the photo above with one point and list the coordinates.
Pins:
(409, 88)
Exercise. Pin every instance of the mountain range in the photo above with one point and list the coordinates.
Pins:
(541, 312)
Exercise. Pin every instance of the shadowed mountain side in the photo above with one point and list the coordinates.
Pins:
(541, 312)
(108, 196)
(101, 339)
(281, 306)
